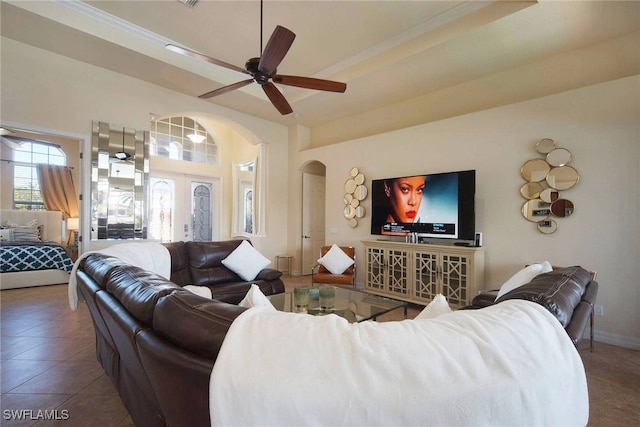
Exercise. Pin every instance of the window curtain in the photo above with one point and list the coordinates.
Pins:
(57, 189)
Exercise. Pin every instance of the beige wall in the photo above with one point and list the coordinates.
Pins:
(598, 124)
(47, 92)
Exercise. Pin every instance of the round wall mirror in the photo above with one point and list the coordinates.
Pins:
(562, 208)
(349, 212)
(360, 212)
(359, 179)
(535, 210)
(354, 172)
(548, 226)
(535, 170)
(545, 145)
(355, 202)
(350, 186)
(559, 157)
(360, 193)
(353, 223)
(348, 198)
(549, 195)
(562, 178)
(531, 190)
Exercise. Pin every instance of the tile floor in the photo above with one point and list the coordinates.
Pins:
(48, 363)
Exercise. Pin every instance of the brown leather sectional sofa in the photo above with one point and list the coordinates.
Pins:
(200, 264)
(569, 293)
(156, 341)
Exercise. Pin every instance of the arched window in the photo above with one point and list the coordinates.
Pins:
(182, 138)
(26, 154)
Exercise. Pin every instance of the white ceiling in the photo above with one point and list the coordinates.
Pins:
(404, 62)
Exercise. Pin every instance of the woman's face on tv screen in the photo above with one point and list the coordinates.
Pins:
(405, 196)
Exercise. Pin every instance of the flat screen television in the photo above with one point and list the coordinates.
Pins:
(440, 205)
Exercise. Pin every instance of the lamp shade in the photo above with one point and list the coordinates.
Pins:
(73, 223)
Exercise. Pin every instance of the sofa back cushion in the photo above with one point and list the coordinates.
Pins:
(99, 267)
(194, 323)
(138, 290)
(559, 291)
(206, 262)
(180, 266)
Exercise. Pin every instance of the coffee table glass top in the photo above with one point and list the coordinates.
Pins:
(353, 305)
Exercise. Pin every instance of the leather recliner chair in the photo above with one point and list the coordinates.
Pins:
(569, 293)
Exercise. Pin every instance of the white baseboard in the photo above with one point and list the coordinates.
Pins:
(614, 339)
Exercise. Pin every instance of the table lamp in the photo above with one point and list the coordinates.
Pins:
(73, 225)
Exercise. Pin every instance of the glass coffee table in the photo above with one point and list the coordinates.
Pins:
(353, 305)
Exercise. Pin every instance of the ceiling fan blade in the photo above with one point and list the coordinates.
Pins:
(277, 47)
(310, 83)
(225, 89)
(193, 54)
(277, 99)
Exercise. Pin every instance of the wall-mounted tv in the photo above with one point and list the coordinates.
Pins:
(438, 205)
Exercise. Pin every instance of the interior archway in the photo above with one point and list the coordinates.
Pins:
(312, 213)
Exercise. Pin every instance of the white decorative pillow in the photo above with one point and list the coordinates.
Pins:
(436, 307)
(335, 260)
(6, 234)
(28, 233)
(203, 291)
(255, 298)
(522, 277)
(246, 261)
(546, 267)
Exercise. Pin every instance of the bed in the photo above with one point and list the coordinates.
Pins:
(34, 263)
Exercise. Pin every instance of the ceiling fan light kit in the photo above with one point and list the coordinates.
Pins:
(263, 70)
(121, 156)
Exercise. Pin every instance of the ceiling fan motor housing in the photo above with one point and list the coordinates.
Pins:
(259, 76)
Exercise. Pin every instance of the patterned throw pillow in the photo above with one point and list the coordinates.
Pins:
(27, 233)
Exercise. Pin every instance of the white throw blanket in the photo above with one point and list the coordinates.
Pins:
(148, 255)
(510, 364)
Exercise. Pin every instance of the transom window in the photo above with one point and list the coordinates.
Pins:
(26, 154)
(182, 138)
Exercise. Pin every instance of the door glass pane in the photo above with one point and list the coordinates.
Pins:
(201, 211)
(161, 209)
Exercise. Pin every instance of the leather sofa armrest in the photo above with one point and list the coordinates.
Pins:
(485, 298)
(269, 274)
(590, 293)
(579, 320)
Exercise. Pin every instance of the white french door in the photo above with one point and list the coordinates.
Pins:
(183, 207)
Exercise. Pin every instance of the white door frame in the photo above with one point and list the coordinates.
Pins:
(182, 216)
(313, 219)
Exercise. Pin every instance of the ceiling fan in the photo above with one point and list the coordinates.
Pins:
(263, 70)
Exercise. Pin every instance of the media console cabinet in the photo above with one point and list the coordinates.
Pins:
(417, 272)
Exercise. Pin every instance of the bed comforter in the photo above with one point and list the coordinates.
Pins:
(28, 256)
(509, 364)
